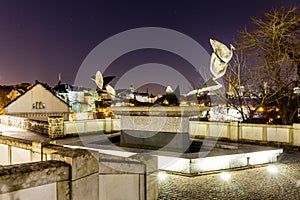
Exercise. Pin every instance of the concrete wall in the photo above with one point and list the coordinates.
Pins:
(34, 181)
(234, 131)
(16, 151)
(88, 126)
(45, 192)
(65, 173)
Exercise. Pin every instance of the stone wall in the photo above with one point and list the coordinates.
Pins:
(65, 173)
(57, 127)
(41, 116)
(34, 181)
(24, 123)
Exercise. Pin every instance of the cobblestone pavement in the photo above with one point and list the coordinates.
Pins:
(255, 183)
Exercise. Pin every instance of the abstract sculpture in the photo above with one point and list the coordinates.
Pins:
(220, 58)
(103, 82)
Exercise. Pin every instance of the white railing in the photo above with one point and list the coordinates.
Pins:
(254, 132)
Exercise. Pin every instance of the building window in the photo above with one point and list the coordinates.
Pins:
(38, 105)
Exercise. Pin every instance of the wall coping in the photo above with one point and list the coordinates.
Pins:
(28, 175)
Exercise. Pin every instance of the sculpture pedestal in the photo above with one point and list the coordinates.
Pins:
(156, 127)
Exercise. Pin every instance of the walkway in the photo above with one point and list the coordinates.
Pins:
(257, 183)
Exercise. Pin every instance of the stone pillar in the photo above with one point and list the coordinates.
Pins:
(234, 132)
(296, 134)
(84, 173)
(151, 174)
(121, 178)
(36, 151)
(107, 125)
(56, 127)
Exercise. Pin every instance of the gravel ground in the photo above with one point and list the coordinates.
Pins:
(255, 183)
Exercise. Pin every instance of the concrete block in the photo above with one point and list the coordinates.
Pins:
(252, 132)
(116, 125)
(85, 188)
(234, 131)
(151, 163)
(94, 125)
(63, 190)
(108, 126)
(19, 155)
(198, 129)
(120, 187)
(218, 130)
(29, 175)
(277, 134)
(119, 165)
(45, 192)
(4, 155)
(83, 162)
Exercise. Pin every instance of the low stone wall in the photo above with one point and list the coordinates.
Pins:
(35, 181)
(41, 116)
(65, 173)
(24, 123)
(57, 127)
(107, 125)
(288, 134)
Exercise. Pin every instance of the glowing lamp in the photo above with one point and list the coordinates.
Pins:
(162, 176)
(225, 176)
(272, 169)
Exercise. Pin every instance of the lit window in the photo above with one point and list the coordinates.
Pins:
(38, 105)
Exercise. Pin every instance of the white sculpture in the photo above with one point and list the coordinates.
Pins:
(222, 51)
(169, 90)
(220, 58)
(110, 90)
(98, 79)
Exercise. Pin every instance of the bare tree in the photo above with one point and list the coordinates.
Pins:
(272, 49)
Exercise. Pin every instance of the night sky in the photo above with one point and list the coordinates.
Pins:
(39, 39)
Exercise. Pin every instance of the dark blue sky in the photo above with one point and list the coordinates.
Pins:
(39, 39)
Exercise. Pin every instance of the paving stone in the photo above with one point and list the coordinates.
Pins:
(256, 183)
